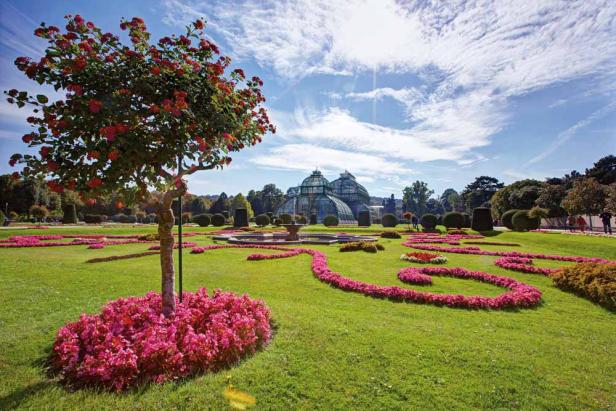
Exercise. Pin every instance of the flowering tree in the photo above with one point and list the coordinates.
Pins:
(136, 116)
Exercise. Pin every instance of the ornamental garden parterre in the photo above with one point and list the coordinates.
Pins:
(137, 120)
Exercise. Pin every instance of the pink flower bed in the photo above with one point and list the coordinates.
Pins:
(96, 246)
(130, 342)
(524, 265)
(175, 245)
(24, 241)
(519, 294)
(411, 276)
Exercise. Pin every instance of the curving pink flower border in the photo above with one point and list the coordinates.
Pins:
(519, 294)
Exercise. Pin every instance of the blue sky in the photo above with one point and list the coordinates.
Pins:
(391, 91)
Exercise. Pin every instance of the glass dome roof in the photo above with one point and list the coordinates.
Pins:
(348, 189)
(315, 183)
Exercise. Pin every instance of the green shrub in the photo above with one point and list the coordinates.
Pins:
(149, 237)
(523, 222)
(313, 219)
(439, 219)
(300, 219)
(453, 219)
(428, 221)
(218, 220)
(262, 220)
(39, 212)
(390, 234)
(92, 219)
(594, 281)
(363, 219)
(240, 217)
(482, 219)
(330, 221)
(69, 214)
(506, 218)
(203, 220)
(286, 218)
(389, 220)
(367, 246)
(466, 220)
(2, 218)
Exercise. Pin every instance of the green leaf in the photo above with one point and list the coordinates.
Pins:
(42, 98)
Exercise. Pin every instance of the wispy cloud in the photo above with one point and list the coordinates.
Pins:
(569, 133)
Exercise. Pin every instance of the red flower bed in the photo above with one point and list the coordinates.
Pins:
(524, 265)
(130, 342)
(519, 294)
(424, 258)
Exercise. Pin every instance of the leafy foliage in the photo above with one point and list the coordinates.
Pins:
(390, 234)
(482, 219)
(594, 281)
(453, 219)
(330, 221)
(522, 221)
(130, 110)
(520, 195)
(416, 196)
(202, 219)
(506, 218)
(428, 221)
(367, 246)
(480, 192)
(389, 220)
(262, 220)
(218, 220)
(586, 197)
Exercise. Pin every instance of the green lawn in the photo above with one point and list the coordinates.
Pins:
(332, 349)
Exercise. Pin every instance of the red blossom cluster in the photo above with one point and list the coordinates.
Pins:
(131, 342)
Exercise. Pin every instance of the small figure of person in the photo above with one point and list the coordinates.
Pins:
(606, 218)
(581, 223)
(415, 222)
(571, 222)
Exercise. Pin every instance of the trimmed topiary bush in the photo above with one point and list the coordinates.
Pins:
(389, 220)
(330, 221)
(313, 219)
(482, 219)
(92, 219)
(218, 220)
(69, 214)
(363, 219)
(367, 246)
(277, 222)
(428, 221)
(466, 222)
(523, 222)
(594, 281)
(286, 218)
(506, 218)
(240, 217)
(453, 219)
(202, 219)
(262, 220)
(300, 219)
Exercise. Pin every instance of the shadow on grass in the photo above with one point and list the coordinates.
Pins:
(14, 399)
(491, 233)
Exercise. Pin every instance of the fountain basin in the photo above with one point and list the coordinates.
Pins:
(282, 238)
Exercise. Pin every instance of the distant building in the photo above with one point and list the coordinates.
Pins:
(343, 197)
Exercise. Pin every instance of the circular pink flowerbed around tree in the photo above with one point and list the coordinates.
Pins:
(130, 342)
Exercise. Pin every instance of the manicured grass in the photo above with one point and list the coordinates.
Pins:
(332, 349)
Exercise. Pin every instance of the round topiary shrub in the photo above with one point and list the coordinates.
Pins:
(466, 220)
(131, 343)
(69, 214)
(92, 219)
(506, 218)
(389, 220)
(286, 218)
(428, 221)
(262, 220)
(453, 219)
(523, 222)
(218, 220)
(330, 221)
(300, 219)
(203, 220)
(482, 219)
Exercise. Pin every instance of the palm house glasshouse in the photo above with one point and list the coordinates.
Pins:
(343, 197)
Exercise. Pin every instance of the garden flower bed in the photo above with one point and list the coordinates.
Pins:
(424, 258)
(130, 342)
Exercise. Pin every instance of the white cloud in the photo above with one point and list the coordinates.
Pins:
(472, 58)
(307, 157)
(569, 133)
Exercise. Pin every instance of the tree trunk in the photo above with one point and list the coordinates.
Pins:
(166, 220)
